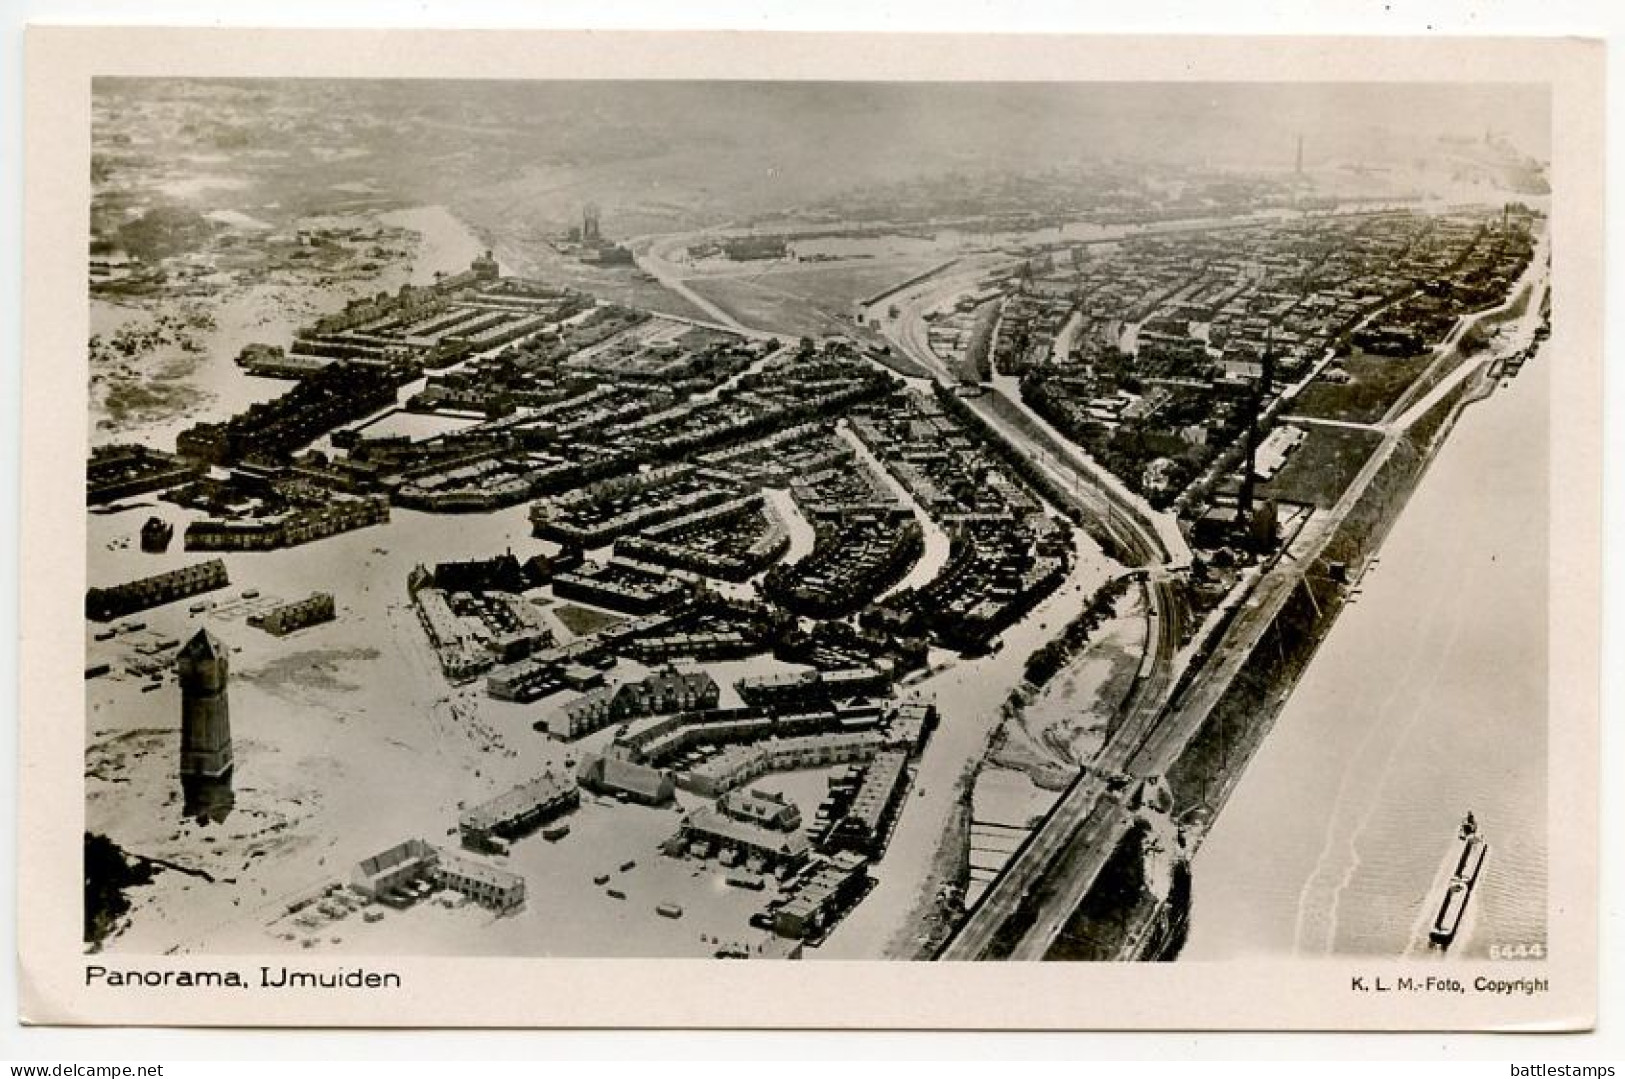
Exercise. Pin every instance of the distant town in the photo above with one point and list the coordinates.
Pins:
(914, 581)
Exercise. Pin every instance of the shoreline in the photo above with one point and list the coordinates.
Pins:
(1377, 501)
(1166, 932)
(1235, 723)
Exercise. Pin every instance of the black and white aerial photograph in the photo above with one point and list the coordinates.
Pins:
(1095, 522)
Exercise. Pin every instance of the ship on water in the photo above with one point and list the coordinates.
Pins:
(1470, 852)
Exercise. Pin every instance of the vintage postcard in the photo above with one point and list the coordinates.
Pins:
(810, 530)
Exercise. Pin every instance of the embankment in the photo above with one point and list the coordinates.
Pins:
(1213, 762)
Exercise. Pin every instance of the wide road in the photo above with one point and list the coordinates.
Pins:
(650, 254)
(1075, 822)
(1083, 819)
(1022, 914)
(1052, 871)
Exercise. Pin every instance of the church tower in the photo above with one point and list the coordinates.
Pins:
(205, 718)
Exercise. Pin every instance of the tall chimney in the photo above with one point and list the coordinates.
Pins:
(1261, 392)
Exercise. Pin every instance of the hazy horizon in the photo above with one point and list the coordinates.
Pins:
(661, 155)
(1254, 123)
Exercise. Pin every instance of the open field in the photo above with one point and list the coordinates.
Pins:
(1321, 468)
(817, 298)
(761, 306)
(1070, 715)
(837, 287)
(585, 621)
(625, 285)
(1376, 383)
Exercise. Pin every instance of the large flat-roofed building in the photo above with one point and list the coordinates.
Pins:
(909, 726)
(487, 885)
(524, 681)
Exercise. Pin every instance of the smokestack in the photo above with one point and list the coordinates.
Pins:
(1300, 155)
(1266, 376)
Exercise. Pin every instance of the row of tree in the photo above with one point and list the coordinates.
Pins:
(1045, 662)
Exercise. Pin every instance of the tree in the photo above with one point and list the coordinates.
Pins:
(107, 874)
(1122, 881)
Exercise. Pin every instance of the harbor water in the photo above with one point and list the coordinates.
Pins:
(1427, 700)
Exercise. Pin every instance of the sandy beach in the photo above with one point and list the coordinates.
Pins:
(152, 396)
